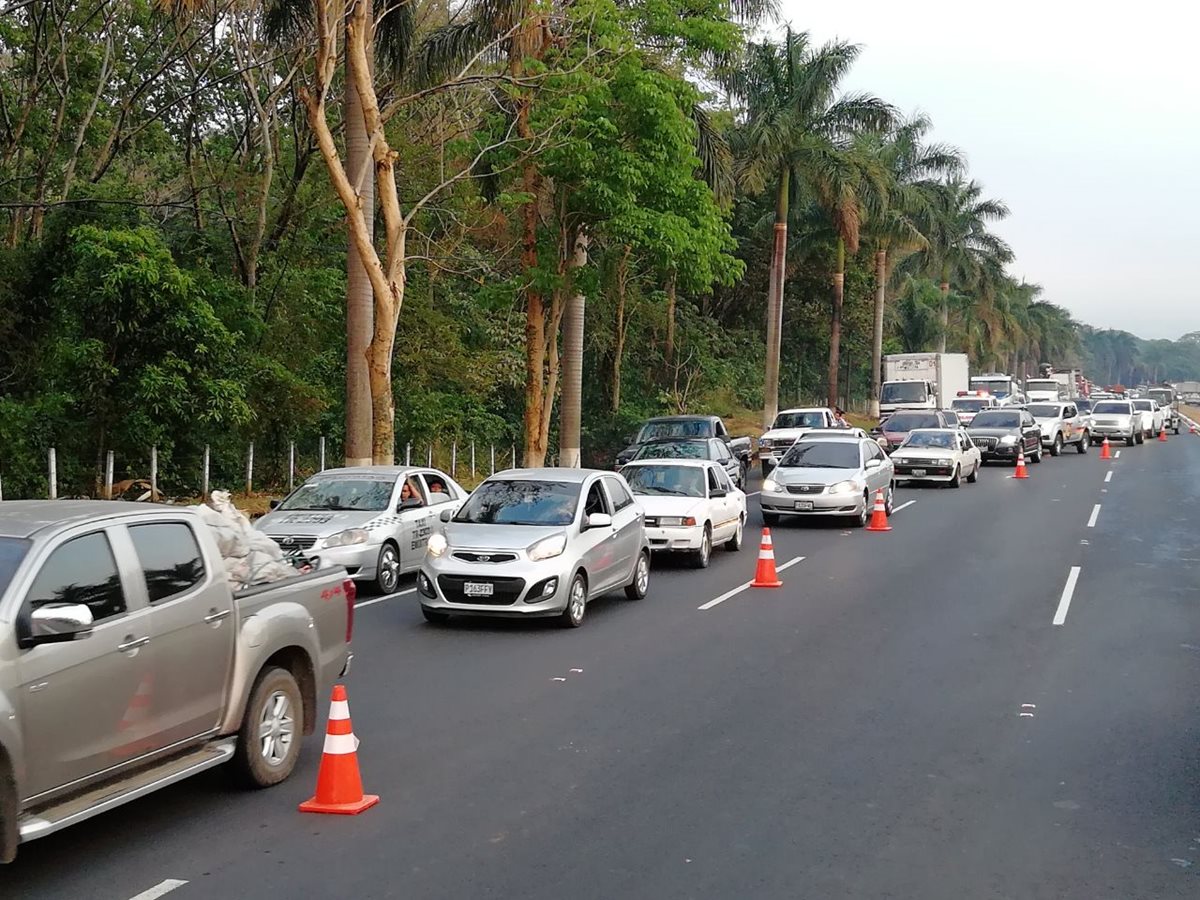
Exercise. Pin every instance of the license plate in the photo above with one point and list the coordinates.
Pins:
(477, 589)
(804, 505)
(918, 471)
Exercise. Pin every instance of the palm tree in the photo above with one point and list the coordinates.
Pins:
(794, 127)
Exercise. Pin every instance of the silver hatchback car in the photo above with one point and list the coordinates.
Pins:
(536, 542)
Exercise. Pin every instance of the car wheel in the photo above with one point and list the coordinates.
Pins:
(1141, 438)
(889, 502)
(572, 616)
(387, 569)
(1131, 440)
(956, 478)
(269, 740)
(770, 518)
(701, 557)
(974, 476)
(865, 515)
(734, 544)
(1056, 447)
(1036, 456)
(636, 589)
(433, 617)
(1085, 443)
(741, 482)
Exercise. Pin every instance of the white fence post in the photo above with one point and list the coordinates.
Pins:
(108, 475)
(52, 462)
(291, 465)
(514, 456)
(408, 453)
(493, 472)
(250, 468)
(472, 459)
(429, 457)
(321, 445)
(204, 476)
(454, 459)
(154, 474)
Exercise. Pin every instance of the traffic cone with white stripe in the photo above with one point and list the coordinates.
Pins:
(1192, 430)
(765, 575)
(879, 520)
(1105, 453)
(339, 784)
(1022, 472)
(1162, 434)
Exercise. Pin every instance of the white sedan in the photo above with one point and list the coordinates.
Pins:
(690, 506)
(1152, 416)
(946, 455)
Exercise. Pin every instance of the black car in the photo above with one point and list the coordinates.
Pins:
(715, 449)
(685, 426)
(1000, 433)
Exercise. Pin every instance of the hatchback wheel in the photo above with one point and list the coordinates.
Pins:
(572, 616)
(636, 589)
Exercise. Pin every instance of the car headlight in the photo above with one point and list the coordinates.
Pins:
(844, 487)
(347, 538)
(771, 486)
(676, 521)
(1008, 440)
(899, 461)
(438, 545)
(548, 548)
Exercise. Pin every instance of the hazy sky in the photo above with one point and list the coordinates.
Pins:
(1084, 118)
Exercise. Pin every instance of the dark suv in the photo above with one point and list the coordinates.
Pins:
(894, 429)
(1000, 433)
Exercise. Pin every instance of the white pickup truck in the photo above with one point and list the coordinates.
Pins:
(127, 664)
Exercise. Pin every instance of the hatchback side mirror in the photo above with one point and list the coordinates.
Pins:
(597, 520)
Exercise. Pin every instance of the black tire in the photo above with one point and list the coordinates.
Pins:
(1057, 447)
(956, 479)
(257, 764)
(700, 558)
(734, 544)
(770, 518)
(1036, 456)
(1141, 438)
(433, 617)
(387, 569)
(573, 616)
(1131, 440)
(889, 500)
(638, 588)
(1085, 443)
(868, 505)
(767, 469)
(974, 476)
(741, 482)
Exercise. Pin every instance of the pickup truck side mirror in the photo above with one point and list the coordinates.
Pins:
(275, 504)
(57, 623)
(447, 515)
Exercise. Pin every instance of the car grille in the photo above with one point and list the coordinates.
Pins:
(927, 463)
(292, 543)
(505, 591)
(805, 488)
(468, 556)
(985, 443)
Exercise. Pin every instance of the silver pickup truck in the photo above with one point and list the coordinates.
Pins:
(127, 664)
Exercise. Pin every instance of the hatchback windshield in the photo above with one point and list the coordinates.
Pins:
(1143, 405)
(903, 392)
(682, 481)
(1112, 408)
(521, 502)
(930, 439)
(970, 404)
(673, 450)
(996, 418)
(367, 494)
(1045, 411)
(675, 428)
(902, 422)
(12, 551)
(800, 420)
(822, 455)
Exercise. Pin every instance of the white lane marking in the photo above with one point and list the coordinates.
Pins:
(754, 494)
(903, 506)
(1108, 477)
(1094, 516)
(1064, 602)
(384, 597)
(741, 587)
(1117, 455)
(163, 887)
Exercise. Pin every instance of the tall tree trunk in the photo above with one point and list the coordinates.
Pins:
(877, 335)
(775, 300)
(835, 324)
(360, 304)
(945, 314)
(670, 354)
(622, 327)
(569, 443)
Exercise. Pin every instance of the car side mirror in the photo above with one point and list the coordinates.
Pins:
(874, 463)
(275, 504)
(447, 515)
(726, 461)
(410, 503)
(57, 623)
(717, 493)
(597, 520)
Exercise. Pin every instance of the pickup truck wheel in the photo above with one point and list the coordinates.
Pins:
(269, 740)
(1085, 443)
(1131, 440)
(387, 571)
(701, 557)
(1056, 447)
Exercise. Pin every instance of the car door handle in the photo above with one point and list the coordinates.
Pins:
(132, 643)
(216, 615)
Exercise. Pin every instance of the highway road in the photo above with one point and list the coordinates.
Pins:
(997, 699)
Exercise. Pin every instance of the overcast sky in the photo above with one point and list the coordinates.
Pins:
(1084, 119)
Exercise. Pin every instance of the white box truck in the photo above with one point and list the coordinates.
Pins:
(1053, 387)
(921, 381)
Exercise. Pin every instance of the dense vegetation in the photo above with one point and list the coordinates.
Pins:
(560, 218)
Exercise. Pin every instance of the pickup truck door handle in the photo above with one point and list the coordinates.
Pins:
(216, 615)
(132, 643)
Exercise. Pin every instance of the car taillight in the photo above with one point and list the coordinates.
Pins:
(350, 589)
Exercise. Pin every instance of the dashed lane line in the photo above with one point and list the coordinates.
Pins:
(162, 888)
(1094, 516)
(741, 587)
(372, 602)
(1064, 602)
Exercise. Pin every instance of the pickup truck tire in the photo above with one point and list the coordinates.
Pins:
(1085, 443)
(9, 837)
(1056, 447)
(1131, 440)
(277, 708)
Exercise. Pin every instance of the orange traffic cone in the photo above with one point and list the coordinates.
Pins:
(1105, 453)
(765, 575)
(1021, 472)
(135, 722)
(879, 520)
(339, 785)
(1162, 434)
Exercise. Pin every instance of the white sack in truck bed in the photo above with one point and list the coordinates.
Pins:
(250, 556)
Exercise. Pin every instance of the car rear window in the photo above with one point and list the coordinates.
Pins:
(996, 419)
(911, 421)
(1045, 411)
(1112, 408)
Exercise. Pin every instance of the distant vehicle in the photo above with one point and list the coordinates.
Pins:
(789, 425)
(1000, 386)
(1165, 397)
(952, 418)
(536, 542)
(374, 520)
(1003, 433)
(1061, 424)
(686, 427)
(133, 665)
(944, 455)
(1152, 416)
(896, 428)
(829, 477)
(967, 407)
(714, 449)
(1117, 419)
(690, 506)
(1044, 390)
(924, 381)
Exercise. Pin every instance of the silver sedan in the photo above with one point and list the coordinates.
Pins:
(537, 542)
(829, 476)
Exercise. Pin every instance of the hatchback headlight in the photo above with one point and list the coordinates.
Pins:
(347, 538)
(438, 545)
(1008, 440)
(771, 486)
(548, 548)
(844, 487)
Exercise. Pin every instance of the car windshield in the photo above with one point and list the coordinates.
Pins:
(822, 455)
(12, 551)
(1112, 408)
(1164, 398)
(675, 428)
(1045, 411)
(902, 422)
(367, 494)
(996, 418)
(673, 450)
(680, 481)
(930, 439)
(521, 502)
(903, 392)
(995, 388)
(1084, 405)
(799, 420)
(970, 404)
(1143, 405)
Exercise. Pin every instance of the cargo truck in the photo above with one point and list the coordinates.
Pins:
(921, 381)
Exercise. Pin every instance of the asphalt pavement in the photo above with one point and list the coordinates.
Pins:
(997, 699)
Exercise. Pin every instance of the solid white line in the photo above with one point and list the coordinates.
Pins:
(1108, 477)
(384, 597)
(903, 506)
(1095, 515)
(1064, 602)
(741, 587)
(1117, 455)
(163, 887)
